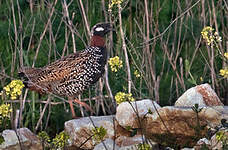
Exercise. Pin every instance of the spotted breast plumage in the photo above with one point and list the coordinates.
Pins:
(72, 74)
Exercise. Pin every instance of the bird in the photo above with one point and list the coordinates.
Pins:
(72, 74)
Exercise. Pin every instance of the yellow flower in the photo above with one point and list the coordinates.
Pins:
(60, 140)
(14, 88)
(221, 136)
(114, 2)
(43, 136)
(7, 89)
(143, 146)
(210, 36)
(123, 97)
(137, 74)
(201, 79)
(5, 110)
(224, 73)
(99, 133)
(226, 55)
(115, 63)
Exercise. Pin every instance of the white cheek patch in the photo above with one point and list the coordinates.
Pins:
(99, 29)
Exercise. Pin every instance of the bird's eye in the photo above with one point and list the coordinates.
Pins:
(99, 29)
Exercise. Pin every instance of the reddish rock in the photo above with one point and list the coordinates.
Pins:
(202, 94)
(179, 125)
(209, 96)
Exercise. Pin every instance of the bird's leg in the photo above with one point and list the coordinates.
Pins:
(72, 108)
(81, 109)
(84, 104)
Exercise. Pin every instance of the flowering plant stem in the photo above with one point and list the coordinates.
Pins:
(33, 109)
(125, 49)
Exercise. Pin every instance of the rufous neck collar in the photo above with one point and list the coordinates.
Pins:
(97, 41)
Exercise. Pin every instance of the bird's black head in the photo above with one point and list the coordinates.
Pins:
(101, 29)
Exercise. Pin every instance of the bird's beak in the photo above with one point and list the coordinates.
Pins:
(110, 27)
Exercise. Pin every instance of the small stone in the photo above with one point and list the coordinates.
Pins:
(132, 143)
(202, 143)
(107, 144)
(129, 141)
(218, 144)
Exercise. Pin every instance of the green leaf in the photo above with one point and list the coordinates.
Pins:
(187, 65)
(2, 139)
(192, 81)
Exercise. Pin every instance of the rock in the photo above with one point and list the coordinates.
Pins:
(120, 131)
(202, 94)
(224, 112)
(218, 144)
(80, 130)
(124, 143)
(132, 143)
(129, 114)
(218, 141)
(107, 144)
(129, 141)
(202, 143)
(179, 125)
(169, 148)
(28, 140)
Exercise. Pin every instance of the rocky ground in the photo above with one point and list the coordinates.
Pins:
(193, 122)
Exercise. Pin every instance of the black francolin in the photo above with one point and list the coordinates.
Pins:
(70, 75)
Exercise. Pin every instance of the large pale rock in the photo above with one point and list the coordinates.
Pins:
(202, 94)
(130, 114)
(172, 125)
(80, 130)
(28, 140)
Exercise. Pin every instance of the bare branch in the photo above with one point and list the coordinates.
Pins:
(43, 34)
(125, 49)
(85, 18)
(167, 28)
